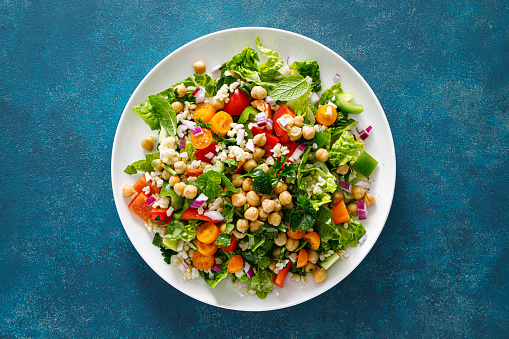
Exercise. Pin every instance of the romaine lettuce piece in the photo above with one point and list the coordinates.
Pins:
(309, 68)
(345, 149)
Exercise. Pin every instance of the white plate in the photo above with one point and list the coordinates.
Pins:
(217, 48)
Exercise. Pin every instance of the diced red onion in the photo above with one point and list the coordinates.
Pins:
(197, 131)
(332, 104)
(270, 101)
(250, 146)
(190, 124)
(345, 186)
(270, 124)
(180, 131)
(216, 268)
(200, 98)
(240, 135)
(362, 209)
(362, 183)
(209, 155)
(365, 134)
(215, 72)
(369, 129)
(202, 198)
(249, 270)
(289, 60)
(182, 143)
(313, 99)
(183, 266)
(214, 215)
(195, 92)
(282, 121)
(336, 78)
(363, 239)
(298, 152)
(150, 200)
(180, 246)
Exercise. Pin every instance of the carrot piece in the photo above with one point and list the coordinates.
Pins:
(194, 172)
(340, 213)
(207, 233)
(140, 207)
(235, 264)
(205, 112)
(142, 183)
(202, 262)
(313, 238)
(206, 249)
(221, 122)
(326, 115)
(302, 259)
(281, 276)
(295, 235)
(203, 140)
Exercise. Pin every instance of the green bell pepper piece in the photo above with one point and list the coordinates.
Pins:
(365, 165)
(346, 106)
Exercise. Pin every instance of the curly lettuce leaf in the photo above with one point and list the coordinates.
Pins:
(326, 227)
(317, 176)
(269, 68)
(176, 230)
(345, 149)
(213, 278)
(144, 111)
(262, 282)
(309, 68)
(350, 236)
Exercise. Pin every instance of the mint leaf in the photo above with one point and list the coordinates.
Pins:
(209, 183)
(135, 167)
(290, 88)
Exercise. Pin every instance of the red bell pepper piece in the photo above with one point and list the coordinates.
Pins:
(280, 132)
(257, 130)
(272, 141)
(281, 276)
(238, 101)
(194, 172)
(192, 214)
(161, 213)
(140, 207)
(233, 244)
(201, 153)
(138, 187)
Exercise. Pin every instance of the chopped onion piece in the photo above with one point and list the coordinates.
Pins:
(180, 246)
(182, 143)
(345, 186)
(197, 131)
(190, 124)
(363, 184)
(362, 209)
(183, 266)
(270, 124)
(336, 78)
(250, 146)
(332, 104)
(240, 135)
(209, 155)
(313, 99)
(150, 200)
(270, 101)
(200, 97)
(282, 121)
(249, 270)
(363, 239)
(215, 72)
(298, 152)
(202, 198)
(180, 131)
(214, 215)
(216, 268)
(195, 92)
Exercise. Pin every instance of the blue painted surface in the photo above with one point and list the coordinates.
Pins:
(439, 70)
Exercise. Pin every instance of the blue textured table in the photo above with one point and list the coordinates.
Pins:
(440, 267)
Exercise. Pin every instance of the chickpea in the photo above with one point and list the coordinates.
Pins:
(280, 187)
(165, 175)
(322, 155)
(251, 213)
(265, 167)
(258, 153)
(249, 165)
(179, 188)
(274, 219)
(268, 205)
(128, 190)
(222, 228)
(312, 256)
(242, 225)
(254, 226)
(262, 214)
(177, 107)
(180, 167)
(237, 180)
(292, 244)
(217, 104)
(260, 139)
(319, 275)
(289, 206)
(278, 207)
(174, 179)
(238, 200)
(190, 253)
(253, 199)
(199, 67)
(293, 256)
(308, 132)
(295, 133)
(181, 90)
(276, 253)
(247, 185)
(258, 92)
(369, 199)
(343, 169)
(158, 166)
(272, 265)
(147, 144)
(358, 193)
(190, 191)
(285, 198)
(298, 121)
(264, 197)
(352, 208)
(281, 239)
(238, 235)
(309, 268)
(290, 121)
(338, 197)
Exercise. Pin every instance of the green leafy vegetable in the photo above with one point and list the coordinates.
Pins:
(176, 230)
(309, 68)
(144, 111)
(351, 235)
(213, 278)
(290, 88)
(269, 68)
(344, 150)
(135, 167)
(262, 282)
(286, 170)
(263, 182)
(209, 183)
(303, 216)
(158, 240)
(223, 239)
(326, 227)
(164, 113)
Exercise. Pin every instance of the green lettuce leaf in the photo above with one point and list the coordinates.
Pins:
(309, 68)
(213, 278)
(351, 235)
(262, 282)
(326, 227)
(319, 175)
(165, 114)
(176, 230)
(345, 149)
(144, 111)
(269, 68)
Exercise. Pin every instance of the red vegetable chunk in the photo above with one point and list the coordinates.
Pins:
(201, 153)
(280, 132)
(140, 207)
(238, 101)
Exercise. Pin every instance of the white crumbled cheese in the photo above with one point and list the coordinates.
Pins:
(169, 212)
(223, 93)
(243, 245)
(280, 150)
(320, 128)
(329, 111)
(270, 161)
(280, 265)
(159, 182)
(233, 86)
(146, 190)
